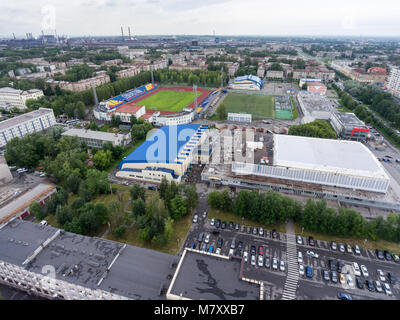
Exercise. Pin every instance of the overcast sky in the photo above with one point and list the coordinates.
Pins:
(226, 17)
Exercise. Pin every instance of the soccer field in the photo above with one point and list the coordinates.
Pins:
(166, 100)
(258, 105)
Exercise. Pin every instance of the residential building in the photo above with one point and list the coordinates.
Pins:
(27, 123)
(275, 74)
(126, 73)
(393, 83)
(17, 98)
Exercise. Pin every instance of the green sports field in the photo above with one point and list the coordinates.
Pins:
(258, 105)
(166, 100)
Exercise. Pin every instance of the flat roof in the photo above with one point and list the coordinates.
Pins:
(335, 156)
(206, 277)
(137, 273)
(24, 117)
(164, 145)
(91, 134)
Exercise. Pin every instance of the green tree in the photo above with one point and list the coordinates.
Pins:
(103, 159)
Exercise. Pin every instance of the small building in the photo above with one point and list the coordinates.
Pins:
(126, 111)
(316, 87)
(96, 139)
(239, 117)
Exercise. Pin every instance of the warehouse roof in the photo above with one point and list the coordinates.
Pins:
(91, 134)
(164, 145)
(335, 156)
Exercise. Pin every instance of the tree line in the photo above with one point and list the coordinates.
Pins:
(271, 208)
(315, 129)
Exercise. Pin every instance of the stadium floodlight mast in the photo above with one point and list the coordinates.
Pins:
(152, 76)
(195, 96)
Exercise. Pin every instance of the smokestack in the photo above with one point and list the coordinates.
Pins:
(14, 36)
(43, 41)
(122, 33)
(96, 100)
(129, 30)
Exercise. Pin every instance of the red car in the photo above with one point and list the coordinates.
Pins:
(260, 250)
(311, 241)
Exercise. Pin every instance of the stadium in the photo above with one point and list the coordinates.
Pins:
(248, 82)
(337, 163)
(168, 153)
(158, 105)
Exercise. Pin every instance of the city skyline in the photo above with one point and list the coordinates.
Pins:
(177, 17)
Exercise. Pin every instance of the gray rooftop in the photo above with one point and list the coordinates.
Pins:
(91, 134)
(137, 273)
(24, 117)
(208, 277)
(349, 119)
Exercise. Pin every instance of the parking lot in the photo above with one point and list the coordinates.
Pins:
(289, 283)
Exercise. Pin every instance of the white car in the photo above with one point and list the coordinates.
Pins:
(261, 231)
(260, 261)
(378, 286)
(350, 281)
(195, 218)
(299, 240)
(364, 271)
(388, 291)
(282, 266)
(381, 275)
(207, 239)
(212, 221)
(300, 257)
(356, 269)
(253, 260)
(246, 256)
(231, 252)
(357, 249)
(312, 254)
(204, 214)
(218, 251)
(275, 263)
(301, 269)
(43, 223)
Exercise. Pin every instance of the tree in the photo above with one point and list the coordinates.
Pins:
(138, 192)
(88, 222)
(103, 159)
(138, 208)
(36, 210)
(63, 215)
(117, 217)
(101, 213)
(178, 207)
(73, 183)
(221, 111)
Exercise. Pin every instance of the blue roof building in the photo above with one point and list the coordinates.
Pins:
(248, 82)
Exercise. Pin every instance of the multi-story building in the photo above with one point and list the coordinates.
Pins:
(275, 74)
(233, 68)
(393, 83)
(17, 98)
(373, 75)
(96, 139)
(261, 71)
(126, 73)
(101, 78)
(111, 62)
(27, 123)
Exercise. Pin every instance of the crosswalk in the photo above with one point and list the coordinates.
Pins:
(292, 279)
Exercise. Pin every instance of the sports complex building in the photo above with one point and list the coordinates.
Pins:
(168, 153)
(248, 82)
(158, 105)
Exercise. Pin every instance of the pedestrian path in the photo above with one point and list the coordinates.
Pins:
(292, 279)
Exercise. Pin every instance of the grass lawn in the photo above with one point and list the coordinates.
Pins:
(258, 105)
(126, 152)
(166, 100)
(295, 113)
(181, 228)
(371, 245)
(228, 216)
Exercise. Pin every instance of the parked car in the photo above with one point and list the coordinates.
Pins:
(378, 286)
(193, 245)
(204, 214)
(260, 250)
(300, 257)
(333, 245)
(274, 234)
(312, 254)
(391, 278)
(342, 278)
(334, 276)
(339, 266)
(216, 231)
(282, 266)
(387, 255)
(370, 285)
(253, 260)
(356, 269)
(204, 247)
(211, 249)
(332, 265)
(253, 250)
(350, 281)
(201, 237)
(309, 273)
(267, 262)
(311, 241)
(220, 241)
(237, 227)
(248, 229)
(275, 264)
(218, 251)
(231, 225)
(301, 269)
(207, 238)
(260, 261)
(349, 250)
(231, 251)
(212, 222)
(381, 275)
(357, 249)
(388, 291)
(299, 240)
(261, 231)
(379, 254)
(43, 223)
(223, 225)
(344, 296)
(341, 247)
(396, 258)
(325, 274)
(245, 256)
(240, 245)
(254, 230)
(364, 271)
(359, 283)
(218, 223)
(233, 244)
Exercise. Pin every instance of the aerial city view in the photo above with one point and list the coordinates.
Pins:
(199, 150)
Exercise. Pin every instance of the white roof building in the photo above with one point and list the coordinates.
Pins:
(17, 98)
